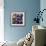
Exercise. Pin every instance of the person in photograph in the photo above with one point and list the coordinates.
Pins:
(14, 19)
(19, 19)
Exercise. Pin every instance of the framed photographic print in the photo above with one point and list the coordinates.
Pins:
(18, 18)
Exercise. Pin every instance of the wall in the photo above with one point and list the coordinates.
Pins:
(30, 7)
(43, 6)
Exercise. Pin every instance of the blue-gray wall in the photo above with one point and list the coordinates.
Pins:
(43, 6)
(30, 7)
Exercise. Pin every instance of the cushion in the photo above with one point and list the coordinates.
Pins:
(20, 42)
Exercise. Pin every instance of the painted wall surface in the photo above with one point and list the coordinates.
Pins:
(43, 6)
(30, 7)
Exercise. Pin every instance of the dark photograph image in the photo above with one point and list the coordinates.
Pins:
(17, 19)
